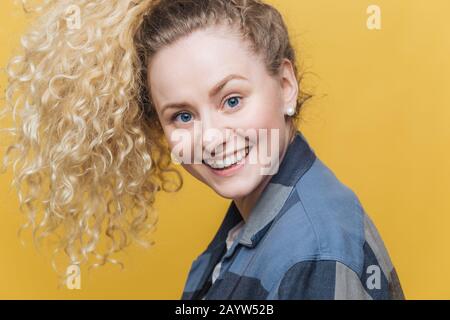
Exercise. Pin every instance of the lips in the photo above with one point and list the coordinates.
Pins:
(229, 161)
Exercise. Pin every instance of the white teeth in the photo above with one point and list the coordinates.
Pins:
(231, 160)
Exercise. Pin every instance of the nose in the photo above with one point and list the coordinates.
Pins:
(214, 134)
(214, 141)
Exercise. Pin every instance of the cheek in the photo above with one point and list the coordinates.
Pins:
(168, 134)
(269, 141)
(270, 118)
(181, 145)
(268, 111)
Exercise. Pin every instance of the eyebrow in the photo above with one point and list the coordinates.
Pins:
(215, 90)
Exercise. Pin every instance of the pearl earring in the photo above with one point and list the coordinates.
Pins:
(290, 111)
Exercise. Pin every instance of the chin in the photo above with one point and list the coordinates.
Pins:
(233, 191)
(233, 187)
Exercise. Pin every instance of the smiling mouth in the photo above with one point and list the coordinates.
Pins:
(229, 162)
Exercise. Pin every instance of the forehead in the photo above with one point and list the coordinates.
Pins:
(198, 61)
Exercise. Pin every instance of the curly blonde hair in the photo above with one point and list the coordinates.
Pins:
(90, 151)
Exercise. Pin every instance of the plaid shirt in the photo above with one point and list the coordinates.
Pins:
(308, 237)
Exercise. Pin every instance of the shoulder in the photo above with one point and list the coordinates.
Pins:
(331, 246)
(322, 220)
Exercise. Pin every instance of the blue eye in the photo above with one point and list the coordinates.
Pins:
(233, 102)
(184, 116)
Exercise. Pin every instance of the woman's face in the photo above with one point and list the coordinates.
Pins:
(215, 98)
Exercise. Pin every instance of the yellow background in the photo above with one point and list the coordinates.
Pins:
(381, 122)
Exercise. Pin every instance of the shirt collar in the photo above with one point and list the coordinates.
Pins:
(298, 158)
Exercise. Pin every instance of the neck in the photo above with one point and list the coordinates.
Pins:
(246, 203)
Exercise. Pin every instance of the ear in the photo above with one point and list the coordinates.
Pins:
(289, 84)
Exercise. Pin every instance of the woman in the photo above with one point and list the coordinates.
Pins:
(212, 84)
